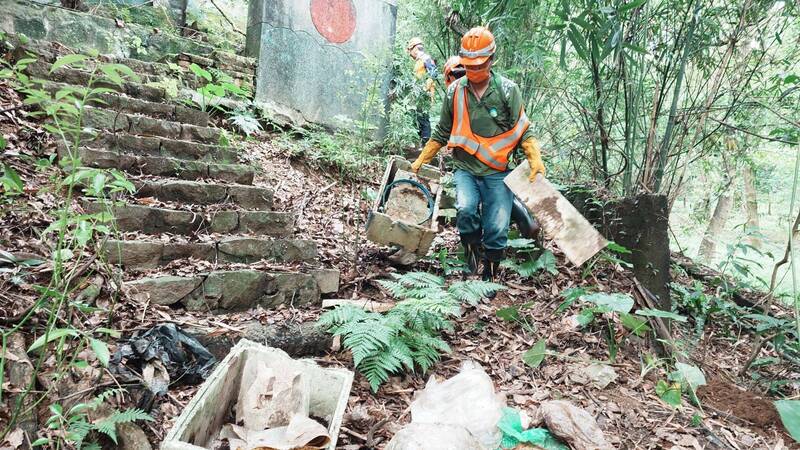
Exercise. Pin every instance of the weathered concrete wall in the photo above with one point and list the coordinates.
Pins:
(313, 54)
(639, 223)
(82, 31)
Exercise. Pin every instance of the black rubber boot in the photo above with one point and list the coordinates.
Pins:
(491, 268)
(472, 252)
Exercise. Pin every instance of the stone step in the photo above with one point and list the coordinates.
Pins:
(147, 71)
(238, 67)
(202, 193)
(226, 291)
(243, 62)
(109, 120)
(163, 166)
(78, 77)
(143, 254)
(159, 146)
(154, 220)
(118, 102)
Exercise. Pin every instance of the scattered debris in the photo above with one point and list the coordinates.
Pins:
(573, 234)
(164, 356)
(426, 436)
(395, 218)
(467, 400)
(277, 402)
(599, 375)
(302, 433)
(516, 434)
(574, 425)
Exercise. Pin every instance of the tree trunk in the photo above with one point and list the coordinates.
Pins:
(719, 218)
(751, 206)
(715, 226)
(73, 4)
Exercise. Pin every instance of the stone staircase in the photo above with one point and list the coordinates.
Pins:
(195, 206)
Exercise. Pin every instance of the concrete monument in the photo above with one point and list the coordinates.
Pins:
(318, 60)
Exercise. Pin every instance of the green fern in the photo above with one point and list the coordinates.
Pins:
(78, 427)
(409, 335)
(472, 291)
(108, 426)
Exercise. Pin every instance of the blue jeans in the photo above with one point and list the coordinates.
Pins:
(423, 126)
(484, 208)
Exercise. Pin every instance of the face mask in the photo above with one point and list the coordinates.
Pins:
(478, 76)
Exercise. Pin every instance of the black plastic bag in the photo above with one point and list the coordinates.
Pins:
(162, 348)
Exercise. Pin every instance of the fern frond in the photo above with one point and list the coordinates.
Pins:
(78, 430)
(395, 288)
(471, 291)
(92, 446)
(105, 395)
(108, 426)
(340, 315)
(402, 352)
(421, 280)
(365, 338)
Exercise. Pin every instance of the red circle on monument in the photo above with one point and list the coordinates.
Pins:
(335, 20)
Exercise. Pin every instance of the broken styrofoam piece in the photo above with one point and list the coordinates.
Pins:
(426, 436)
(202, 419)
(301, 433)
(573, 234)
(467, 400)
(271, 396)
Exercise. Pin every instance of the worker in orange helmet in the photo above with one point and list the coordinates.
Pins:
(453, 70)
(424, 68)
(483, 119)
(526, 224)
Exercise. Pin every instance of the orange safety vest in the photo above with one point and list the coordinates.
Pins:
(492, 151)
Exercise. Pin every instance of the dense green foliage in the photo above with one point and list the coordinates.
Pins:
(409, 335)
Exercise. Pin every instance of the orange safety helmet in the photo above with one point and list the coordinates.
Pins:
(453, 70)
(477, 46)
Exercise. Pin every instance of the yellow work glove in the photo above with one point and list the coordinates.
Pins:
(430, 150)
(534, 154)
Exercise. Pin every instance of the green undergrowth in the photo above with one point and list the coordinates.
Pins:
(59, 347)
(409, 336)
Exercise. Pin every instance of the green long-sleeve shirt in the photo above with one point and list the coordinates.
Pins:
(503, 96)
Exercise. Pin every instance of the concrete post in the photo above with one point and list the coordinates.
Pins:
(319, 59)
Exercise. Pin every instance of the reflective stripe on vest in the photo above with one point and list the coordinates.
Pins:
(492, 151)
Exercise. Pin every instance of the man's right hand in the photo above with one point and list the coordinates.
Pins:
(427, 155)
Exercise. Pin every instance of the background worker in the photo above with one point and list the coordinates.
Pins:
(424, 69)
(483, 120)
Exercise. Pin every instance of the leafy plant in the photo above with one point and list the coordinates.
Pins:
(605, 304)
(245, 121)
(72, 232)
(449, 264)
(528, 259)
(76, 425)
(789, 411)
(11, 182)
(669, 392)
(214, 87)
(515, 314)
(409, 335)
(535, 355)
(609, 255)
